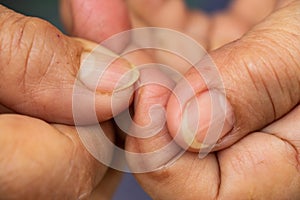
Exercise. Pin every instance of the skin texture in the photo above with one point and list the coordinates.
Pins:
(45, 64)
(38, 68)
(268, 78)
(259, 157)
(34, 173)
(259, 165)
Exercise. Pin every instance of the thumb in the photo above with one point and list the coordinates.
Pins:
(43, 161)
(39, 67)
(260, 75)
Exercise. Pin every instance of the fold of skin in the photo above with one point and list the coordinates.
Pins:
(262, 165)
(261, 162)
(38, 68)
(259, 73)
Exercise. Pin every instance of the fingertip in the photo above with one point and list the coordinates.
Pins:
(197, 116)
(104, 85)
(198, 119)
(95, 20)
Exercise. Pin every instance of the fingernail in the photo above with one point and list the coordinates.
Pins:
(206, 118)
(104, 71)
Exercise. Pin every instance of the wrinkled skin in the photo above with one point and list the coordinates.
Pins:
(44, 64)
(259, 157)
(38, 68)
(256, 165)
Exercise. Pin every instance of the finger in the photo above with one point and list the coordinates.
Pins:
(39, 67)
(243, 9)
(242, 170)
(165, 176)
(238, 19)
(46, 162)
(246, 168)
(198, 26)
(245, 171)
(160, 13)
(287, 129)
(173, 15)
(225, 28)
(260, 76)
(94, 20)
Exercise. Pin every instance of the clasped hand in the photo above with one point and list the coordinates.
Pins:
(257, 54)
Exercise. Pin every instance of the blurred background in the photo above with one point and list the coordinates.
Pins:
(48, 10)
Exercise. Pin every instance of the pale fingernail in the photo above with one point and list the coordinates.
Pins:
(104, 71)
(206, 119)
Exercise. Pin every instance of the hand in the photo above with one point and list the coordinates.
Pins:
(38, 69)
(257, 156)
